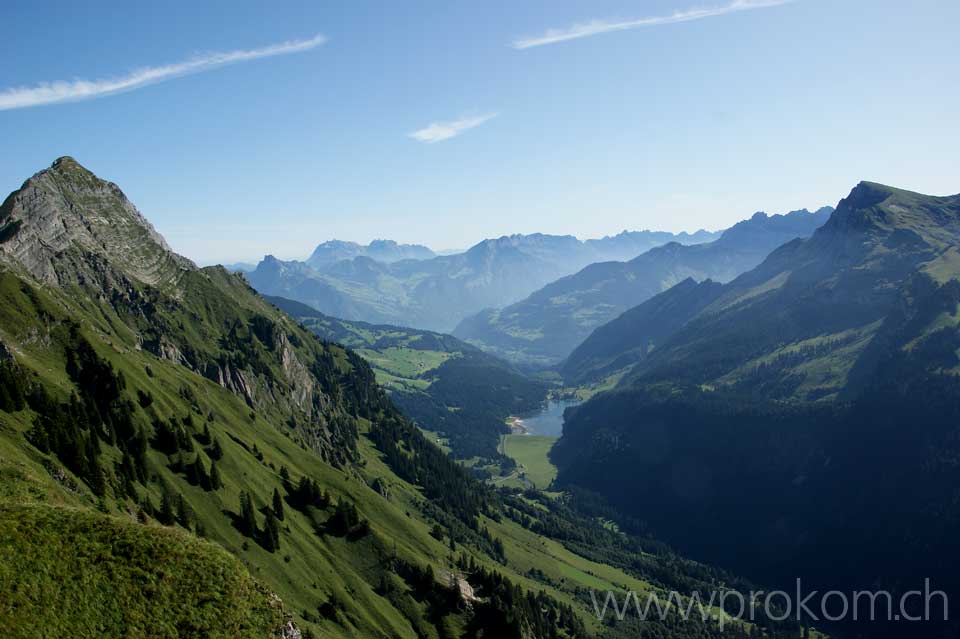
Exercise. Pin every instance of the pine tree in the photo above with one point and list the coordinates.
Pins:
(165, 516)
(128, 475)
(94, 471)
(248, 516)
(193, 477)
(138, 450)
(197, 473)
(183, 513)
(215, 482)
(277, 504)
(271, 533)
(97, 478)
(12, 388)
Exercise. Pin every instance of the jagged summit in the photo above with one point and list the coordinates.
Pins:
(68, 161)
(882, 210)
(65, 223)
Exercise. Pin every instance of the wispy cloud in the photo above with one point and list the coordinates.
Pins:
(74, 90)
(596, 27)
(439, 131)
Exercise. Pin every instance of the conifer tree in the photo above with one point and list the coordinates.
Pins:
(215, 482)
(183, 513)
(216, 452)
(165, 516)
(248, 516)
(271, 533)
(277, 504)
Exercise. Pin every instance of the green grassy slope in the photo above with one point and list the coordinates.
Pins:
(81, 573)
(309, 570)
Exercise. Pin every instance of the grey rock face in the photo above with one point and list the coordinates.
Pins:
(66, 207)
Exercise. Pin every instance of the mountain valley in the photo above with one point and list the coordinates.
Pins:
(180, 458)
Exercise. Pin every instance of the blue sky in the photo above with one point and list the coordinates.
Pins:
(670, 124)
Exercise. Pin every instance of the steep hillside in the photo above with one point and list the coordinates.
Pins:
(807, 406)
(444, 385)
(804, 324)
(435, 294)
(180, 458)
(620, 343)
(545, 327)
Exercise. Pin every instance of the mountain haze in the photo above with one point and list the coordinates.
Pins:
(812, 315)
(385, 251)
(545, 327)
(435, 294)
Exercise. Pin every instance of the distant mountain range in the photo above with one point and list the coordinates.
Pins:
(806, 407)
(545, 327)
(240, 267)
(333, 251)
(386, 251)
(437, 293)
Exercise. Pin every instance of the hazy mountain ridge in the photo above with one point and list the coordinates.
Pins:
(828, 295)
(435, 294)
(386, 251)
(545, 327)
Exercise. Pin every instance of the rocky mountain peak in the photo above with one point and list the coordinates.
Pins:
(866, 194)
(881, 211)
(64, 215)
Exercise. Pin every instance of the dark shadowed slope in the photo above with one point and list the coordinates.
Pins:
(808, 407)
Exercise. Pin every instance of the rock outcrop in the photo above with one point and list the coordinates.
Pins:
(65, 212)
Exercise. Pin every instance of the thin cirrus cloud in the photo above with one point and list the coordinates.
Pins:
(439, 131)
(75, 90)
(597, 27)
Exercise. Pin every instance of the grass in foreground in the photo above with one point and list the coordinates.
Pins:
(75, 572)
